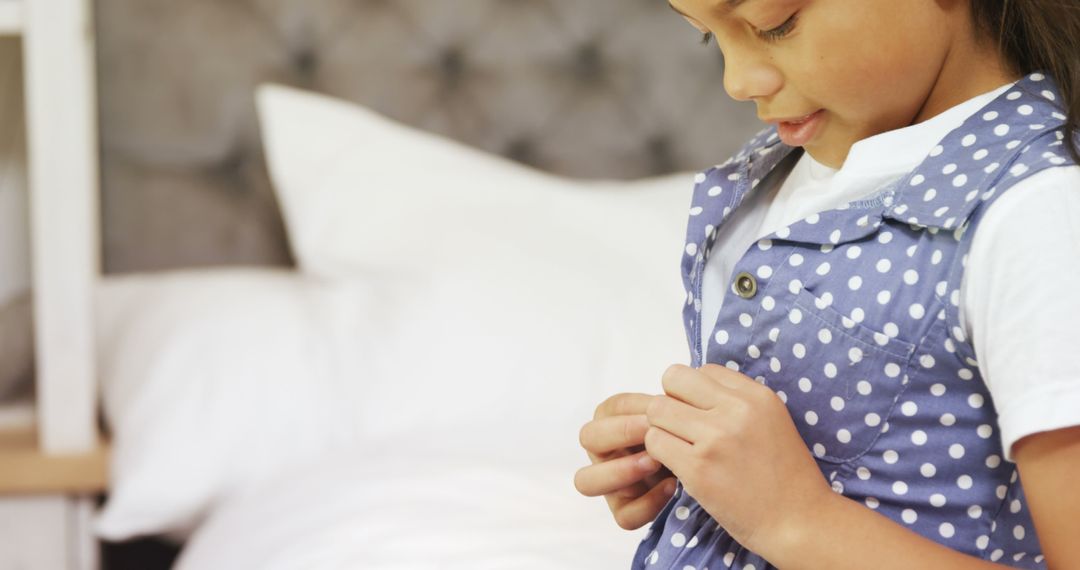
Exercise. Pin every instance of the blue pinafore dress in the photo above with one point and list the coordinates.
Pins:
(851, 316)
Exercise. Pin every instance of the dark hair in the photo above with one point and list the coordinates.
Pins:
(1039, 35)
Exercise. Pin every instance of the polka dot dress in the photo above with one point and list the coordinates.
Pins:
(851, 316)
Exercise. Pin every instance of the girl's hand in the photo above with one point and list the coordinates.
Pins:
(635, 485)
(732, 443)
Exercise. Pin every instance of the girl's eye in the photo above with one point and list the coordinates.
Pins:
(706, 38)
(781, 30)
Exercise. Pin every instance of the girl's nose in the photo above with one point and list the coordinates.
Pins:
(748, 77)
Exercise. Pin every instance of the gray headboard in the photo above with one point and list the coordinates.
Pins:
(591, 88)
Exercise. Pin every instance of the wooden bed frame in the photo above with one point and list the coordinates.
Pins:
(52, 467)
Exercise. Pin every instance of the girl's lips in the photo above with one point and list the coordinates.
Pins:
(800, 131)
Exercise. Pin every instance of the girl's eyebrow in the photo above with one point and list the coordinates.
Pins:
(729, 6)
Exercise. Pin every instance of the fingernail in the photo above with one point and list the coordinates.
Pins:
(648, 463)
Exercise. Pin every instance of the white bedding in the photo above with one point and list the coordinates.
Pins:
(408, 505)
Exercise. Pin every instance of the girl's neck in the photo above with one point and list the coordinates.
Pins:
(971, 68)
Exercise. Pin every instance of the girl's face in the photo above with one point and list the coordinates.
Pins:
(832, 72)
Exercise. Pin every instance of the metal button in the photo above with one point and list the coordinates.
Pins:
(746, 285)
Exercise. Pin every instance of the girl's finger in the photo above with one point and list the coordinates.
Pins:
(679, 419)
(608, 434)
(638, 512)
(615, 474)
(691, 386)
(622, 405)
(667, 448)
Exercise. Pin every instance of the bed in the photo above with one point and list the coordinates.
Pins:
(368, 266)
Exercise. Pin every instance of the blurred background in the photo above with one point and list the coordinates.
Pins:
(605, 95)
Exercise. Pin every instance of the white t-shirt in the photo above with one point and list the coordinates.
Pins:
(1020, 294)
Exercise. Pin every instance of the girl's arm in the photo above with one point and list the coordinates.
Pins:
(844, 534)
(733, 444)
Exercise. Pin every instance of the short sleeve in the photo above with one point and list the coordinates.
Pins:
(1020, 304)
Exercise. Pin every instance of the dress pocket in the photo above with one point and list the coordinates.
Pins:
(840, 379)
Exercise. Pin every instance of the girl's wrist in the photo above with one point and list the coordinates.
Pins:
(786, 541)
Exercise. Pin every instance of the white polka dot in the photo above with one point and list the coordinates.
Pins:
(873, 420)
(823, 269)
(678, 540)
(974, 511)
(855, 283)
(853, 252)
(834, 237)
(938, 389)
(927, 361)
(872, 502)
(937, 150)
(890, 456)
(1001, 130)
(948, 420)
(864, 388)
(805, 385)
(918, 437)
(946, 530)
(881, 338)
(928, 470)
(911, 277)
(837, 403)
(883, 297)
(900, 488)
(993, 461)
(682, 513)
(721, 337)
(768, 303)
(825, 336)
(980, 154)
(753, 351)
(855, 354)
(1018, 532)
(729, 558)
(843, 435)
(799, 350)
(863, 473)
(985, 431)
(937, 500)
(964, 482)
(819, 450)
(960, 180)
(654, 557)
(795, 316)
(1025, 109)
(813, 219)
(746, 320)
(975, 401)
(795, 260)
(830, 370)
(892, 370)
(968, 140)
(932, 193)
(811, 417)
(956, 451)
(774, 364)
(909, 516)
(916, 311)
(795, 286)
(965, 374)
(909, 409)
(693, 542)
(764, 272)
(892, 330)
(1014, 506)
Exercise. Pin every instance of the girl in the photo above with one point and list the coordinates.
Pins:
(881, 295)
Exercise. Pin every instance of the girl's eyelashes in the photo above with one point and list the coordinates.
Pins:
(706, 38)
(780, 31)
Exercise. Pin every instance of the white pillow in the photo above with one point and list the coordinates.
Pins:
(525, 264)
(212, 379)
(499, 302)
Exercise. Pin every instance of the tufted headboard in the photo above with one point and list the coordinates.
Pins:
(590, 88)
